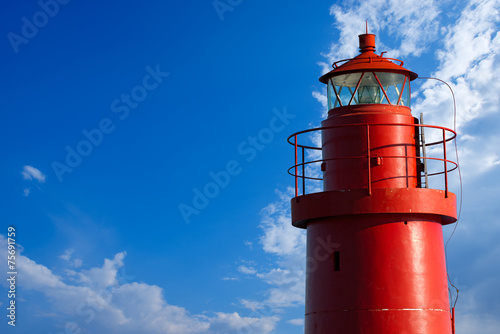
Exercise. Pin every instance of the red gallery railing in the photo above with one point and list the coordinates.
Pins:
(294, 170)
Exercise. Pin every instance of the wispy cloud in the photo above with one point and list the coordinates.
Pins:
(234, 323)
(230, 278)
(32, 173)
(296, 322)
(286, 275)
(413, 24)
(249, 244)
(67, 256)
(469, 62)
(246, 270)
(279, 236)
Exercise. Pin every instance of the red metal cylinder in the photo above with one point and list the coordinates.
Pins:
(385, 133)
(366, 42)
(390, 276)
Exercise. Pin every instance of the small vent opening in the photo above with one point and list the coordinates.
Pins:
(336, 261)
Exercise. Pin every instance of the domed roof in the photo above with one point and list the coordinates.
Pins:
(367, 61)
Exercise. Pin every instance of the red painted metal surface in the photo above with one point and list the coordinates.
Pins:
(375, 253)
(405, 201)
(392, 276)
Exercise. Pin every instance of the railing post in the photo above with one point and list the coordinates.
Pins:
(424, 150)
(453, 320)
(303, 173)
(296, 171)
(368, 157)
(445, 166)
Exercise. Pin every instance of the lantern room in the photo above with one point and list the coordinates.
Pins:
(368, 88)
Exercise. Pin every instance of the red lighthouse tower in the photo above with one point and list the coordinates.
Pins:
(375, 252)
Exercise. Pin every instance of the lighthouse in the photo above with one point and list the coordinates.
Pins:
(375, 252)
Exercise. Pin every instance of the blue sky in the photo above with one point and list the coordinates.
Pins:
(117, 114)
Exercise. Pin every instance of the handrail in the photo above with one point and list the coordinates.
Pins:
(368, 60)
(365, 124)
(303, 163)
(362, 156)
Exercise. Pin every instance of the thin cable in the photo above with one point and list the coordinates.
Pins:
(460, 178)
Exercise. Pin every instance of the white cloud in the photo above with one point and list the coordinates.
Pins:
(296, 322)
(35, 276)
(32, 173)
(77, 263)
(143, 306)
(67, 256)
(26, 192)
(469, 62)
(471, 43)
(105, 276)
(251, 304)
(234, 323)
(413, 23)
(288, 281)
(247, 270)
(99, 302)
(321, 98)
(280, 237)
